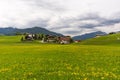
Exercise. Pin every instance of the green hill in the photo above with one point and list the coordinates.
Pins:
(104, 40)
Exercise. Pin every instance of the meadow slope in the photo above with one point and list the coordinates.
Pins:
(113, 39)
(37, 61)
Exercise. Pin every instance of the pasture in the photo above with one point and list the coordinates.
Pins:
(38, 61)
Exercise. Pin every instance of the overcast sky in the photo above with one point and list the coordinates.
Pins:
(69, 17)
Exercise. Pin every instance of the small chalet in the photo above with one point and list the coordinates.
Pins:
(51, 39)
(29, 37)
(65, 40)
(99, 35)
(77, 41)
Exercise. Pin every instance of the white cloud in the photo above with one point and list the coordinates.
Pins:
(69, 17)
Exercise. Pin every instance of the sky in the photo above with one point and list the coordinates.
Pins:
(69, 17)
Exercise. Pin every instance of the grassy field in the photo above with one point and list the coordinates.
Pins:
(37, 61)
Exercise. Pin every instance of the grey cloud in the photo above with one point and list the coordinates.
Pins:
(91, 16)
(110, 22)
(102, 21)
(56, 15)
(80, 28)
(38, 22)
(49, 5)
(67, 26)
(72, 32)
(88, 26)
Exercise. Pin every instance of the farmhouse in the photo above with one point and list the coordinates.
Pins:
(65, 40)
(51, 39)
(29, 37)
(48, 38)
(77, 41)
(99, 35)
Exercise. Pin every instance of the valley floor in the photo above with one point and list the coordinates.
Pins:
(36, 61)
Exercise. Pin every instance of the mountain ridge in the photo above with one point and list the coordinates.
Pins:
(34, 30)
(88, 35)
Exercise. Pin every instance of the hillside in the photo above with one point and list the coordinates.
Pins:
(104, 40)
(13, 31)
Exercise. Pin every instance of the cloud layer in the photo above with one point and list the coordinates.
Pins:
(69, 17)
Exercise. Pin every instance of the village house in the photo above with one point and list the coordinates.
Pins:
(65, 40)
(99, 35)
(51, 39)
(48, 39)
(77, 41)
(29, 37)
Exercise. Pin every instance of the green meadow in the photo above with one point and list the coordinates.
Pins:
(93, 59)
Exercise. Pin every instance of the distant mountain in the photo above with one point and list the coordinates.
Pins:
(88, 35)
(7, 31)
(36, 30)
(13, 31)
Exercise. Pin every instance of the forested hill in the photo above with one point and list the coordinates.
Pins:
(35, 30)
